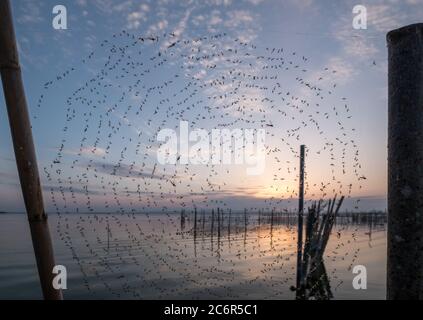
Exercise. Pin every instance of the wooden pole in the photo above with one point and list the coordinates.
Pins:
(195, 232)
(300, 221)
(218, 224)
(25, 152)
(245, 220)
(108, 237)
(212, 223)
(229, 226)
(182, 220)
(259, 216)
(195, 224)
(405, 163)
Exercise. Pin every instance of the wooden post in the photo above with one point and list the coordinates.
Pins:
(195, 224)
(203, 222)
(229, 226)
(25, 152)
(182, 220)
(212, 223)
(300, 220)
(195, 231)
(405, 163)
(245, 220)
(108, 237)
(259, 216)
(218, 224)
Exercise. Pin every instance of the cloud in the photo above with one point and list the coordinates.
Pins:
(360, 47)
(87, 151)
(257, 2)
(127, 171)
(97, 151)
(237, 18)
(339, 71)
(68, 188)
(385, 17)
(343, 70)
(355, 44)
(136, 18)
(82, 3)
(215, 18)
(8, 176)
(303, 5)
(30, 13)
(7, 159)
(381, 18)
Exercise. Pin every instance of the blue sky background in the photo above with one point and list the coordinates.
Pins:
(320, 30)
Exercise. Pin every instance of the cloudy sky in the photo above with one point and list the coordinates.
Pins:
(320, 30)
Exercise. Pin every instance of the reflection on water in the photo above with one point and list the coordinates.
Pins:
(189, 255)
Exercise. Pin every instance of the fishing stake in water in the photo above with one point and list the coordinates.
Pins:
(25, 152)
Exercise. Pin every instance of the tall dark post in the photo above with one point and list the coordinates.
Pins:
(218, 224)
(405, 163)
(25, 152)
(182, 220)
(203, 222)
(259, 216)
(212, 229)
(108, 237)
(195, 224)
(245, 220)
(300, 219)
(195, 232)
(229, 226)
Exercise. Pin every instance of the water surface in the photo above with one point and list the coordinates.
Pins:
(158, 256)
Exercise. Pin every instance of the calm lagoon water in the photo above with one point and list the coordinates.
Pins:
(156, 256)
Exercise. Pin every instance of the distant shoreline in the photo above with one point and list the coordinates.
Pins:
(8, 212)
(178, 213)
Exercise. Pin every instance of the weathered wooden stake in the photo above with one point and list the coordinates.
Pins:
(245, 220)
(203, 222)
(218, 224)
(212, 223)
(229, 227)
(195, 224)
(182, 220)
(25, 152)
(259, 216)
(405, 163)
(300, 220)
(195, 232)
(108, 237)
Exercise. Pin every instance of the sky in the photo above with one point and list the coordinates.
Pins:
(320, 48)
